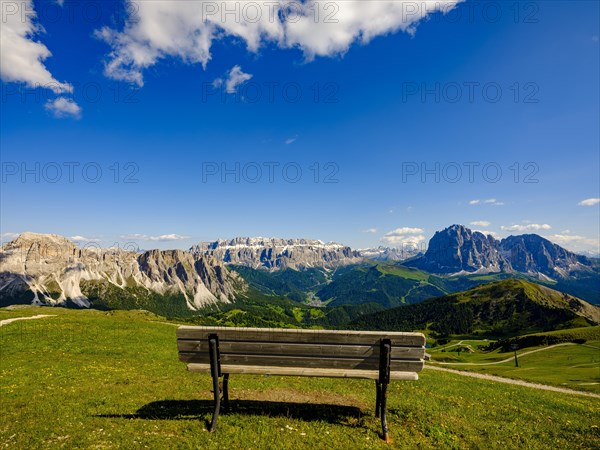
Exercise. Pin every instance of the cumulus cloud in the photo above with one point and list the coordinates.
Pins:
(161, 238)
(589, 202)
(575, 242)
(481, 223)
(186, 30)
(63, 107)
(404, 237)
(21, 56)
(526, 227)
(370, 230)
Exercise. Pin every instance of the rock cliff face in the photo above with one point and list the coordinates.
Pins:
(458, 250)
(532, 254)
(274, 254)
(54, 270)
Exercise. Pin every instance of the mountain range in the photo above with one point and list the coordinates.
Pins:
(275, 254)
(50, 269)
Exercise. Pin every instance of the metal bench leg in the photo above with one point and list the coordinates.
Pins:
(385, 351)
(226, 391)
(384, 424)
(378, 398)
(214, 371)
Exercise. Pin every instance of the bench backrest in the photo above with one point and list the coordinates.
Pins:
(318, 349)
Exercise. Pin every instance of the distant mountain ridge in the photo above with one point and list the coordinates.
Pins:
(388, 253)
(459, 250)
(276, 253)
(50, 269)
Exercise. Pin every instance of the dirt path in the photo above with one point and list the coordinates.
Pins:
(516, 382)
(39, 316)
(511, 358)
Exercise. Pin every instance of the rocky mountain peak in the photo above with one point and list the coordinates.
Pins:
(458, 250)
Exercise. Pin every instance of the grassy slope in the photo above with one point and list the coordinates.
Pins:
(572, 366)
(112, 379)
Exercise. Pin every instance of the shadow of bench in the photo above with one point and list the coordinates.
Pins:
(192, 409)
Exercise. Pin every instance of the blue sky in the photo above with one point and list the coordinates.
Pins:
(146, 124)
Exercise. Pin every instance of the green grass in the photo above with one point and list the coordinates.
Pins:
(573, 366)
(570, 366)
(94, 379)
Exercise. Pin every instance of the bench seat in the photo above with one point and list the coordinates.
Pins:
(302, 372)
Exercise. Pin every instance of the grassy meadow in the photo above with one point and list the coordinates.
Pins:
(564, 364)
(95, 379)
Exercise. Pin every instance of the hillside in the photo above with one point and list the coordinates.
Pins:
(500, 308)
(294, 284)
(93, 379)
(388, 285)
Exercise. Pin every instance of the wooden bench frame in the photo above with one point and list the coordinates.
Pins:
(200, 348)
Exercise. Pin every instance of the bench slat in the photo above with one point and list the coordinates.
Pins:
(301, 335)
(371, 363)
(307, 372)
(296, 349)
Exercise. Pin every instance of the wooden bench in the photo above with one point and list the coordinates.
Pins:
(379, 356)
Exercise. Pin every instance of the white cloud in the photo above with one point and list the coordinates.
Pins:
(527, 227)
(370, 230)
(63, 107)
(404, 241)
(404, 237)
(291, 140)
(235, 78)
(481, 223)
(21, 57)
(589, 202)
(489, 201)
(187, 29)
(79, 238)
(405, 230)
(575, 242)
(161, 238)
